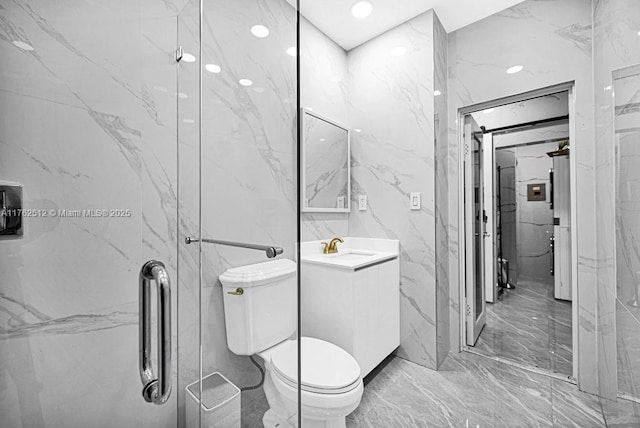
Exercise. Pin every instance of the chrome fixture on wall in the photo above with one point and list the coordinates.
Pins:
(269, 250)
(155, 390)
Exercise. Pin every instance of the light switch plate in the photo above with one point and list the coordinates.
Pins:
(362, 202)
(414, 201)
(340, 202)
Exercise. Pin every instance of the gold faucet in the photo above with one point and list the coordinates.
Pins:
(332, 247)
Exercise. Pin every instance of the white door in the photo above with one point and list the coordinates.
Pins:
(474, 231)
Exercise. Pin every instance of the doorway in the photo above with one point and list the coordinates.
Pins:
(519, 264)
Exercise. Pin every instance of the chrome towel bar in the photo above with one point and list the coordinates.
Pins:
(269, 250)
(155, 390)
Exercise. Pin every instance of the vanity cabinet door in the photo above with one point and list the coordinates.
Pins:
(376, 314)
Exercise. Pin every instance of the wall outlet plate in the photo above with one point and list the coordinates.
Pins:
(415, 201)
(362, 202)
(340, 202)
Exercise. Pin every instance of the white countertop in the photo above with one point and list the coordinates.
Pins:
(353, 254)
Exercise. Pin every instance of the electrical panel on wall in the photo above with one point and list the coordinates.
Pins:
(536, 192)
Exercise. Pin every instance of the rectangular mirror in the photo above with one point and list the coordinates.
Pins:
(326, 164)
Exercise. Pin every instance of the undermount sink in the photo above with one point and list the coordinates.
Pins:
(349, 258)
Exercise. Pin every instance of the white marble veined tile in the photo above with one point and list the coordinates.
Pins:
(391, 85)
(616, 45)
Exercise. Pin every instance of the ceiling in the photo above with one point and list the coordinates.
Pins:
(333, 17)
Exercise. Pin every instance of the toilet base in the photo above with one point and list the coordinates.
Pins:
(272, 420)
(282, 413)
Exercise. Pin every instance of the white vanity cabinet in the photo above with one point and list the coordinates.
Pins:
(357, 309)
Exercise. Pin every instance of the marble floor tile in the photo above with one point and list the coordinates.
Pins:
(529, 326)
(620, 413)
(253, 409)
(474, 391)
(628, 344)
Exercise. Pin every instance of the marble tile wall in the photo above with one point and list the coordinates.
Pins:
(506, 160)
(552, 40)
(616, 45)
(324, 88)
(534, 218)
(441, 133)
(627, 142)
(84, 127)
(391, 100)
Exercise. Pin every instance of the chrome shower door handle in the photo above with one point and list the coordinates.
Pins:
(155, 390)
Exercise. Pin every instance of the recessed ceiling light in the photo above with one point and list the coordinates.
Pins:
(437, 93)
(638, 33)
(362, 9)
(260, 31)
(488, 111)
(515, 69)
(292, 51)
(321, 139)
(22, 45)
(213, 68)
(398, 51)
(187, 57)
(245, 82)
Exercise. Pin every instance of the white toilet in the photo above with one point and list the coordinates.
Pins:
(260, 314)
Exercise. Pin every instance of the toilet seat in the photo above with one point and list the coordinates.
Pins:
(326, 368)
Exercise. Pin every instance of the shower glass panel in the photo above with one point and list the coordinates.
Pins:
(237, 120)
(91, 147)
(626, 87)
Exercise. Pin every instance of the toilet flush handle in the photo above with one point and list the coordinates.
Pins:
(238, 292)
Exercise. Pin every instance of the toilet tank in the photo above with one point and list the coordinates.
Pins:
(264, 314)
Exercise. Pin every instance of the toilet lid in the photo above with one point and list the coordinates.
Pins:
(325, 366)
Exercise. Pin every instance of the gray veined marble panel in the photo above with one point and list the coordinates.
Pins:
(616, 46)
(442, 238)
(534, 223)
(323, 87)
(391, 101)
(470, 390)
(529, 326)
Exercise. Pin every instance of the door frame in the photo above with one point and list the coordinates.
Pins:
(562, 87)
